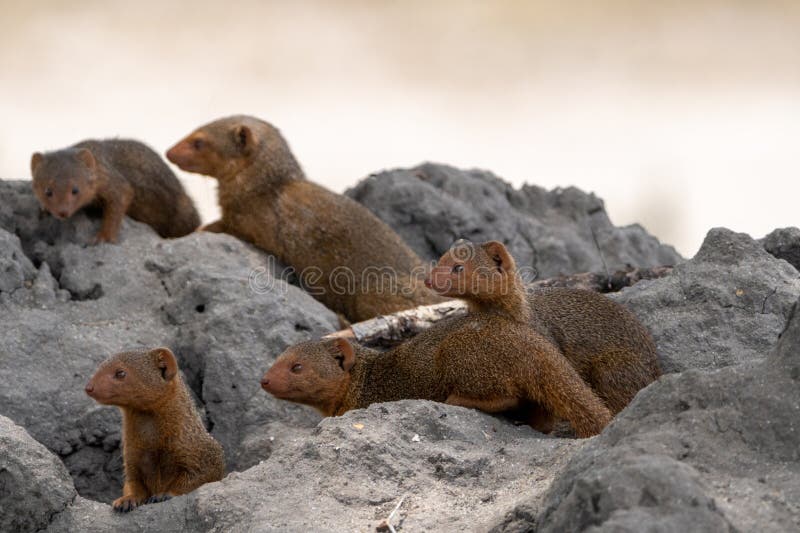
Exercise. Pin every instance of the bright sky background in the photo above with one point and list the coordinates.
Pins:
(680, 115)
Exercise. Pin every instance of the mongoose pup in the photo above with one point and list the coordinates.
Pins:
(611, 350)
(165, 448)
(346, 257)
(479, 361)
(120, 176)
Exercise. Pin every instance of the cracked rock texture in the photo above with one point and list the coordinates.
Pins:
(552, 232)
(34, 485)
(784, 243)
(725, 306)
(713, 446)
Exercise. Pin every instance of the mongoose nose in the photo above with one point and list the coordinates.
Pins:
(63, 214)
(264, 382)
(89, 388)
(173, 154)
(428, 283)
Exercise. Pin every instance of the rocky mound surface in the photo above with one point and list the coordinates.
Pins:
(725, 306)
(554, 232)
(784, 243)
(713, 446)
(34, 484)
(696, 451)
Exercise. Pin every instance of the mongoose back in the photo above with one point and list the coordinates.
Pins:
(165, 448)
(120, 176)
(346, 257)
(486, 360)
(611, 350)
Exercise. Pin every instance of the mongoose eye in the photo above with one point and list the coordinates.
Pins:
(75, 191)
(48, 192)
(457, 269)
(198, 144)
(119, 374)
(297, 367)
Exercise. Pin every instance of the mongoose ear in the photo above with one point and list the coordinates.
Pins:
(498, 252)
(36, 160)
(344, 353)
(166, 362)
(243, 137)
(86, 157)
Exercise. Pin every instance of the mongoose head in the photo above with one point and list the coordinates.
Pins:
(64, 181)
(225, 147)
(474, 271)
(315, 373)
(138, 380)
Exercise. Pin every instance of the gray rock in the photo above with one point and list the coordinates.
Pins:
(700, 451)
(455, 468)
(15, 268)
(85, 303)
(784, 243)
(34, 485)
(725, 306)
(431, 206)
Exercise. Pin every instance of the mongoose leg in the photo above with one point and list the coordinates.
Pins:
(559, 389)
(113, 212)
(540, 418)
(186, 482)
(493, 405)
(133, 494)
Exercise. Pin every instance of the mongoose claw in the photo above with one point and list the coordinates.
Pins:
(158, 498)
(124, 504)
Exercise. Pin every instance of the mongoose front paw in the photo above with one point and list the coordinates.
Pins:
(103, 237)
(158, 498)
(125, 504)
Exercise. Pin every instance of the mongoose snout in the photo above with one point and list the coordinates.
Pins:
(183, 155)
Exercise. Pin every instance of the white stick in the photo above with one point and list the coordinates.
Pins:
(391, 515)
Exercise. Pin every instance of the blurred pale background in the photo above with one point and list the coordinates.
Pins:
(681, 115)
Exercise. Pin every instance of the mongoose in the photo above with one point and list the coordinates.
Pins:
(165, 448)
(479, 361)
(120, 176)
(611, 350)
(345, 256)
